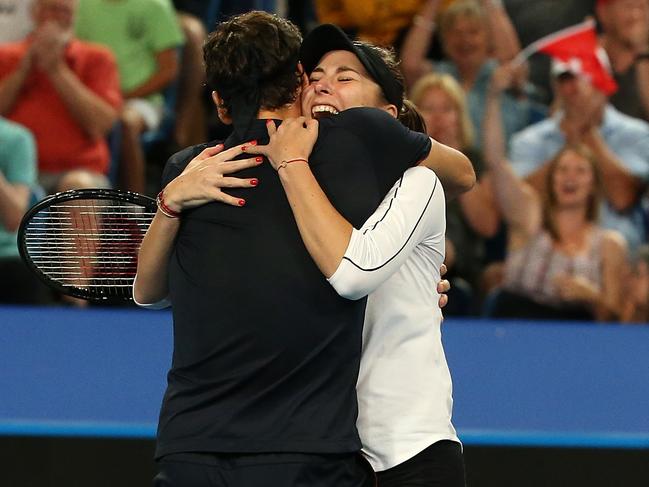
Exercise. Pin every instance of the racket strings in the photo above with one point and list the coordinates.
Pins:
(90, 245)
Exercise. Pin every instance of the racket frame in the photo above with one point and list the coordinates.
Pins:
(96, 194)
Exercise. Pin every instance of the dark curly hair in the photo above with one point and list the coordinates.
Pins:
(251, 61)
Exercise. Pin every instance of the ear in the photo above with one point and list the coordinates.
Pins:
(303, 76)
(222, 112)
(391, 109)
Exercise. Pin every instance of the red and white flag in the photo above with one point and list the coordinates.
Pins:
(577, 47)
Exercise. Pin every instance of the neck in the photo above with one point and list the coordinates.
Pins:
(571, 222)
(288, 111)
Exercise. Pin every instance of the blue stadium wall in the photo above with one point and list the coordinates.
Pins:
(535, 403)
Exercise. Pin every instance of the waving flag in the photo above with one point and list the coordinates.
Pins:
(577, 47)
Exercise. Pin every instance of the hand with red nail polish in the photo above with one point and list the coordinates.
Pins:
(207, 174)
(292, 141)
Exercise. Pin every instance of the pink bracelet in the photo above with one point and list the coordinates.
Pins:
(286, 162)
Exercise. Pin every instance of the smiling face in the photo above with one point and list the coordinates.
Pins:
(466, 41)
(338, 82)
(573, 180)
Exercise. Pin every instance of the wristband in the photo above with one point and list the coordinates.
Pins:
(286, 162)
(164, 209)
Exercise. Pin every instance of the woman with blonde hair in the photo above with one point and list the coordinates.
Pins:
(475, 36)
(423, 94)
(561, 264)
(473, 217)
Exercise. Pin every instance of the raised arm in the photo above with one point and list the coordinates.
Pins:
(504, 37)
(199, 183)
(518, 202)
(417, 43)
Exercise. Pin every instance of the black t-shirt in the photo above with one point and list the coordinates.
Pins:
(266, 354)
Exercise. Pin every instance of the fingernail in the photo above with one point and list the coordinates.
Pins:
(253, 142)
(254, 182)
(243, 147)
(259, 159)
(242, 202)
(218, 146)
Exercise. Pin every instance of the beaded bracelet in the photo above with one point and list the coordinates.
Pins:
(286, 162)
(164, 209)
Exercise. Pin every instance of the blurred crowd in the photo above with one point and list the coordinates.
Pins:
(98, 93)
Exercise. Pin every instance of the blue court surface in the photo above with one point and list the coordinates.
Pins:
(101, 373)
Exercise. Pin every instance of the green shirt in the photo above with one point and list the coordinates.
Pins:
(135, 30)
(18, 166)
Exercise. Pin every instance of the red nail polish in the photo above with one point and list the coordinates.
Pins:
(242, 202)
(254, 182)
(253, 142)
(259, 159)
(243, 147)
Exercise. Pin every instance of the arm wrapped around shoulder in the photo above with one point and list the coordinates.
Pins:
(411, 213)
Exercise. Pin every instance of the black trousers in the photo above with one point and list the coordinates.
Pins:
(439, 465)
(264, 470)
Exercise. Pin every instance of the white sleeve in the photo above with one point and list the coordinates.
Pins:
(163, 303)
(411, 211)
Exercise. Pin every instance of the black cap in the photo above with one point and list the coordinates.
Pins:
(329, 37)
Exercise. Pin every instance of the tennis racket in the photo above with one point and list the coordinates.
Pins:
(84, 243)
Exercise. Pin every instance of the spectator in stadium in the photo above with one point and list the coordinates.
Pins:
(474, 216)
(17, 175)
(619, 144)
(625, 37)
(66, 92)
(561, 264)
(475, 37)
(145, 36)
(15, 20)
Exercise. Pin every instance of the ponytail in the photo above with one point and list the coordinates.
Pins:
(411, 118)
